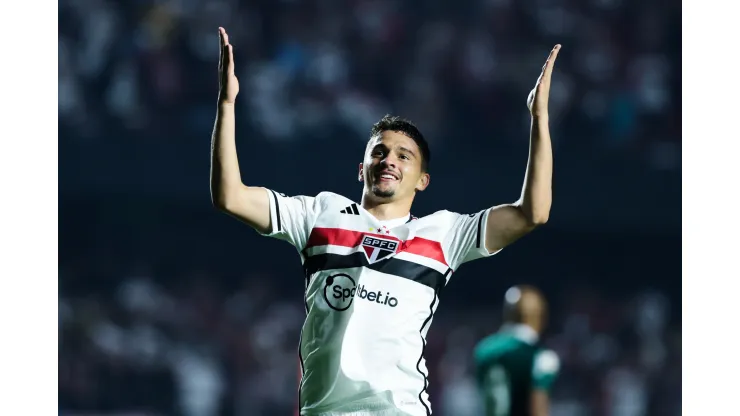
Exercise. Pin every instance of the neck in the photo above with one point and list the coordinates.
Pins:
(386, 210)
(522, 331)
(531, 323)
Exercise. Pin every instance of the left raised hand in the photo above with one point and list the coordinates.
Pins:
(540, 94)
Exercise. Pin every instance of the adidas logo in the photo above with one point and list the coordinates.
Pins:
(352, 209)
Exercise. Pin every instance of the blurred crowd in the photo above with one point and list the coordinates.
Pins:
(310, 69)
(201, 351)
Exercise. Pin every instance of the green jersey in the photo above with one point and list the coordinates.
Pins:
(509, 365)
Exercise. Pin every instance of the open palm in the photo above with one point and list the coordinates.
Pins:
(540, 94)
(227, 82)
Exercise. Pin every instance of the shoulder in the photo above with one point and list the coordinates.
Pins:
(321, 199)
(452, 217)
(328, 196)
(487, 348)
(545, 362)
(442, 217)
(326, 200)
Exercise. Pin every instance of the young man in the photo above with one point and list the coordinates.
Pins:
(514, 373)
(372, 270)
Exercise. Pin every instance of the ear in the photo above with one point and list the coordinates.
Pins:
(360, 176)
(423, 182)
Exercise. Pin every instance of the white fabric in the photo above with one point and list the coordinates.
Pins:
(366, 325)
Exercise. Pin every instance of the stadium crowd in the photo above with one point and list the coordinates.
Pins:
(146, 70)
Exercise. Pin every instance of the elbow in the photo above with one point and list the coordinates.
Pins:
(218, 203)
(536, 217)
(219, 199)
(223, 195)
(539, 219)
(223, 204)
(228, 200)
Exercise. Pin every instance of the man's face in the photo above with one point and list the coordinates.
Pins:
(392, 167)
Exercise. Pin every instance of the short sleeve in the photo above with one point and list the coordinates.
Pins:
(545, 369)
(292, 217)
(467, 239)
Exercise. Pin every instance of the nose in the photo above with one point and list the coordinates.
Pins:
(388, 161)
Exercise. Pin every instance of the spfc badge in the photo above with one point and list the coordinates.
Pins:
(378, 248)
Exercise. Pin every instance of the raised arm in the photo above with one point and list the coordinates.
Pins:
(508, 223)
(228, 193)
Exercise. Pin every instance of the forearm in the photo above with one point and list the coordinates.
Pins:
(225, 175)
(536, 197)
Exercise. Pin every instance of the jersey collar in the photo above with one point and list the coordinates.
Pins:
(396, 221)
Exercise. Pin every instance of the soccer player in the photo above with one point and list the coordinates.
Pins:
(373, 271)
(513, 371)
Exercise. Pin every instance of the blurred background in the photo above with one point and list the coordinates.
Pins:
(168, 307)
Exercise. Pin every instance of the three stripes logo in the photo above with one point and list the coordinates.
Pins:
(352, 210)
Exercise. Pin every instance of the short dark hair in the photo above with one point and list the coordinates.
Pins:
(408, 129)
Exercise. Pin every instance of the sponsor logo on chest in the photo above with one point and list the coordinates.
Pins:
(376, 248)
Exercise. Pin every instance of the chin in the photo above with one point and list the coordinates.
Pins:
(383, 193)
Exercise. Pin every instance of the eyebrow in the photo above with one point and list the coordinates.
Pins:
(408, 151)
(386, 148)
(379, 146)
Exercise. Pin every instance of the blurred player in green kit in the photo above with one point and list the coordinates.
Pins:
(514, 372)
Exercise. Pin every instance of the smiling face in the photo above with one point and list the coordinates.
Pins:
(392, 169)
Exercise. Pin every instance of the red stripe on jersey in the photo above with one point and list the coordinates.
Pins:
(348, 238)
(337, 237)
(426, 248)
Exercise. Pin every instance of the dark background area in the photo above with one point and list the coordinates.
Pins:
(169, 307)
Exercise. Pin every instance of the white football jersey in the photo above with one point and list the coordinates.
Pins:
(371, 290)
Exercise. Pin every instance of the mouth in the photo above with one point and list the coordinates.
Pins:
(386, 176)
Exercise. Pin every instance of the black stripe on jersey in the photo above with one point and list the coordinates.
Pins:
(480, 229)
(300, 342)
(354, 209)
(397, 267)
(424, 345)
(277, 211)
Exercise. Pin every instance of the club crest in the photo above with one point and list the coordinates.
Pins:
(378, 248)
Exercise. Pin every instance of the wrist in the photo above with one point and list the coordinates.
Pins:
(540, 118)
(225, 105)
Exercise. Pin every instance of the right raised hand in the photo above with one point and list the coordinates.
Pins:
(227, 82)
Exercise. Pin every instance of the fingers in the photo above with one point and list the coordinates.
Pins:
(226, 52)
(223, 37)
(230, 64)
(547, 67)
(220, 49)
